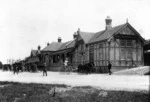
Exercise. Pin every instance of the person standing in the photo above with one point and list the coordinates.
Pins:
(15, 68)
(66, 64)
(45, 69)
(109, 68)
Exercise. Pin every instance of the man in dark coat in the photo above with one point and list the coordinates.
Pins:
(15, 68)
(109, 67)
(45, 69)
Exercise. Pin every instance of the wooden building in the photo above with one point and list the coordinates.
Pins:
(147, 53)
(122, 45)
(54, 54)
(34, 56)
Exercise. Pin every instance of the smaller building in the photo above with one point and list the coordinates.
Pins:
(35, 56)
(54, 54)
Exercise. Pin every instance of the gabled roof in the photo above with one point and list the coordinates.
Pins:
(71, 44)
(105, 34)
(86, 36)
(89, 38)
(136, 33)
(68, 44)
(33, 59)
(54, 46)
(63, 46)
(33, 52)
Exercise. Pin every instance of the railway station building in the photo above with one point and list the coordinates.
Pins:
(122, 45)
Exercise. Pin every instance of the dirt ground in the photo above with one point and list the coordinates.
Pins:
(21, 92)
(102, 81)
(73, 87)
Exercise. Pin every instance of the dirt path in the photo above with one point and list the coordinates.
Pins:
(103, 81)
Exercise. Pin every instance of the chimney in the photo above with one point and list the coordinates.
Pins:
(108, 21)
(59, 39)
(48, 44)
(39, 47)
(75, 35)
(78, 31)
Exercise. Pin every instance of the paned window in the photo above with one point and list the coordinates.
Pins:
(129, 42)
(100, 55)
(123, 53)
(82, 47)
(122, 42)
(100, 45)
(129, 53)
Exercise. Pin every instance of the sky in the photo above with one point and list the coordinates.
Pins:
(25, 24)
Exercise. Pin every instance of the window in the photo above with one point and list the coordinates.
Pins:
(139, 54)
(122, 53)
(100, 45)
(129, 42)
(126, 53)
(100, 55)
(54, 59)
(122, 42)
(82, 47)
(46, 58)
(91, 48)
(129, 53)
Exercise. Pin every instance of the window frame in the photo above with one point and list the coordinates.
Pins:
(122, 43)
(129, 53)
(129, 43)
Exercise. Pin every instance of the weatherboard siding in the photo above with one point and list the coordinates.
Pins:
(105, 46)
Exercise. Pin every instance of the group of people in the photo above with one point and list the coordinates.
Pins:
(16, 69)
(65, 65)
(109, 65)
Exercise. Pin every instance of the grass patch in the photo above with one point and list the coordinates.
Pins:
(22, 92)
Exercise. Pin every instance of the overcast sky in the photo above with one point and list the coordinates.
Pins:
(25, 24)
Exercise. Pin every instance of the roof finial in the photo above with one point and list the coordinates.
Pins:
(127, 20)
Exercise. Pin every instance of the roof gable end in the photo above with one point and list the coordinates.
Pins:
(129, 30)
(105, 34)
